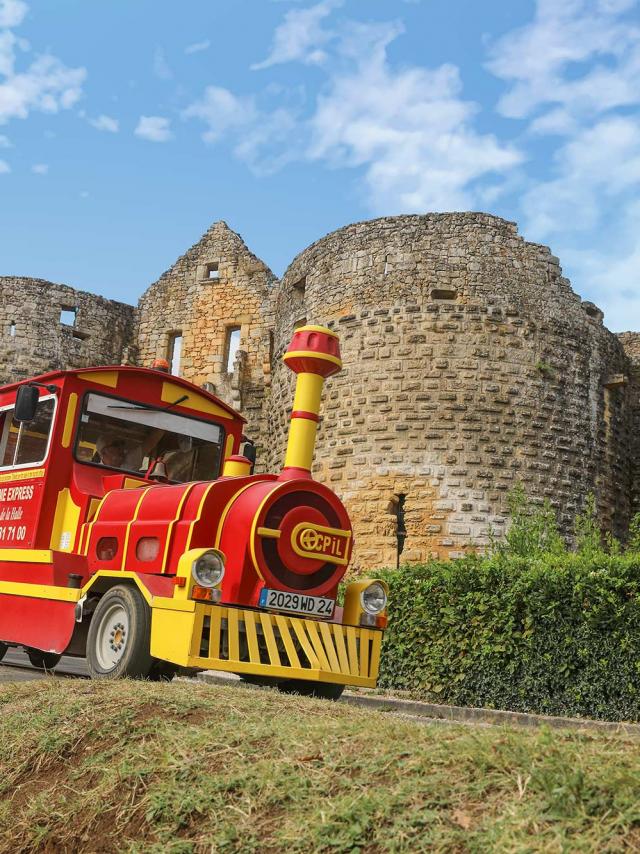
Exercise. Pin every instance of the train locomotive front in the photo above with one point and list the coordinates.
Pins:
(238, 574)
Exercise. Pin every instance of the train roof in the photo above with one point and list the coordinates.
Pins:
(129, 369)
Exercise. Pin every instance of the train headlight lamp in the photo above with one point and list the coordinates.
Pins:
(208, 569)
(373, 598)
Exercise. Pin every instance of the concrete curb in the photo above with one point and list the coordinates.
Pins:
(455, 714)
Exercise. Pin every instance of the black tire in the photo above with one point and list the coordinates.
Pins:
(3, 650)
(323, 690)
(119, 636)
(162, 671)
(43, 660)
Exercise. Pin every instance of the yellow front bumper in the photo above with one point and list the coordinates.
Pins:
(241, 640)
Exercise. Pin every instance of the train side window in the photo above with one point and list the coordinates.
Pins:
(26, 444)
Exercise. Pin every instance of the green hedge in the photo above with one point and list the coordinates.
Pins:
(555, 634)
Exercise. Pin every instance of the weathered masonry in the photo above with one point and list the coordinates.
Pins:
(470, 364)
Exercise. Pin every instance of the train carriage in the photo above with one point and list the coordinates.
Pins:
(133, 532)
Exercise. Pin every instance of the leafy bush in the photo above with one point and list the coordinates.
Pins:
(531, 627)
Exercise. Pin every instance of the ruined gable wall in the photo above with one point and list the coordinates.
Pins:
(203, 309)
(34, 341)
(470, 364)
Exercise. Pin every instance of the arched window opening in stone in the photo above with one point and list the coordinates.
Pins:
(397, 510)
(444, 293)
(300, 285)
(301, 321)
(68, 315)
(232, 344)
(12, 329)
(174, 352)
(213, 270)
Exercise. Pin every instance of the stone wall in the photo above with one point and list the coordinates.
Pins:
(216, 286)
(631, 343)
(36, 337)
(470, 364)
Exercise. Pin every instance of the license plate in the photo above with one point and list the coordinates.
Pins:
(318, 606)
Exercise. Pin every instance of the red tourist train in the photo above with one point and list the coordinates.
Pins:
(133, 532)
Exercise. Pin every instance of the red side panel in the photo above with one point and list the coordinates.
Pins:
(39, 623)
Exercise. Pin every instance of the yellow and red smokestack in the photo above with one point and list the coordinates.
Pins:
(314, 355)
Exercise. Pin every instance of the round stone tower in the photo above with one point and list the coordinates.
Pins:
(470, 365)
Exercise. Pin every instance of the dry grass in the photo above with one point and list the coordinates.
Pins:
(90, 767)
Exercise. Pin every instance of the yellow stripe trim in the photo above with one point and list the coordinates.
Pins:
(26, 474)
(225, 512)
(69, 420)
(252, 636)
(214, 633)
(311, 354)
(364, 652)
(254, 526)
(27, 555)
(329, 648)
(173, 523)
(271, 533)
(108, 378)
(311, 328)
(272, 647)
(172, 392)
(285, 634)
(299, 628)
(130, 523)
(233, 634)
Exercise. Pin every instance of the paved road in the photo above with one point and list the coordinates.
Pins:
(20, 670)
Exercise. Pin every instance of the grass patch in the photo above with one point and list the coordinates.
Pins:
(125, 766)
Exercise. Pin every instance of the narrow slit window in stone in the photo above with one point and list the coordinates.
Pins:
(232, 346)
(174, 352)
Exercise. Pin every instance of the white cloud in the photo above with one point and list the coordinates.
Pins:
(161, 67)
(574, 73)
(610, 274)
(40, 168)
(5, 142)
(409, 128)
(154, 129)
(261, 139)
(597, 165)
(47, 86)
(221, 111)
(12, 12)
(4, 167)
(197, 47)
(301, 36)
(106, 123)
(545, 60)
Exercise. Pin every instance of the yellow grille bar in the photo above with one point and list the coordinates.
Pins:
(261, 643)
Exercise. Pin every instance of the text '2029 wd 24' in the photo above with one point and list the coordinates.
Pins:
(133, 532)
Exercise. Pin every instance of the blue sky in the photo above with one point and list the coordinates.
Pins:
(127, 127)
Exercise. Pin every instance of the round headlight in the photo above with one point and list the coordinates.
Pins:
(374, 598)
(208, 569)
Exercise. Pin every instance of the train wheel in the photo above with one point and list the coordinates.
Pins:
(119, 633)
(324, 690)
(162, 671)
(43, 660)
(3, 650)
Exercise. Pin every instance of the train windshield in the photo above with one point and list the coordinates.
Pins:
(133, 437)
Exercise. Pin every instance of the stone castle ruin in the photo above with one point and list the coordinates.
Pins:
(470, 365)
